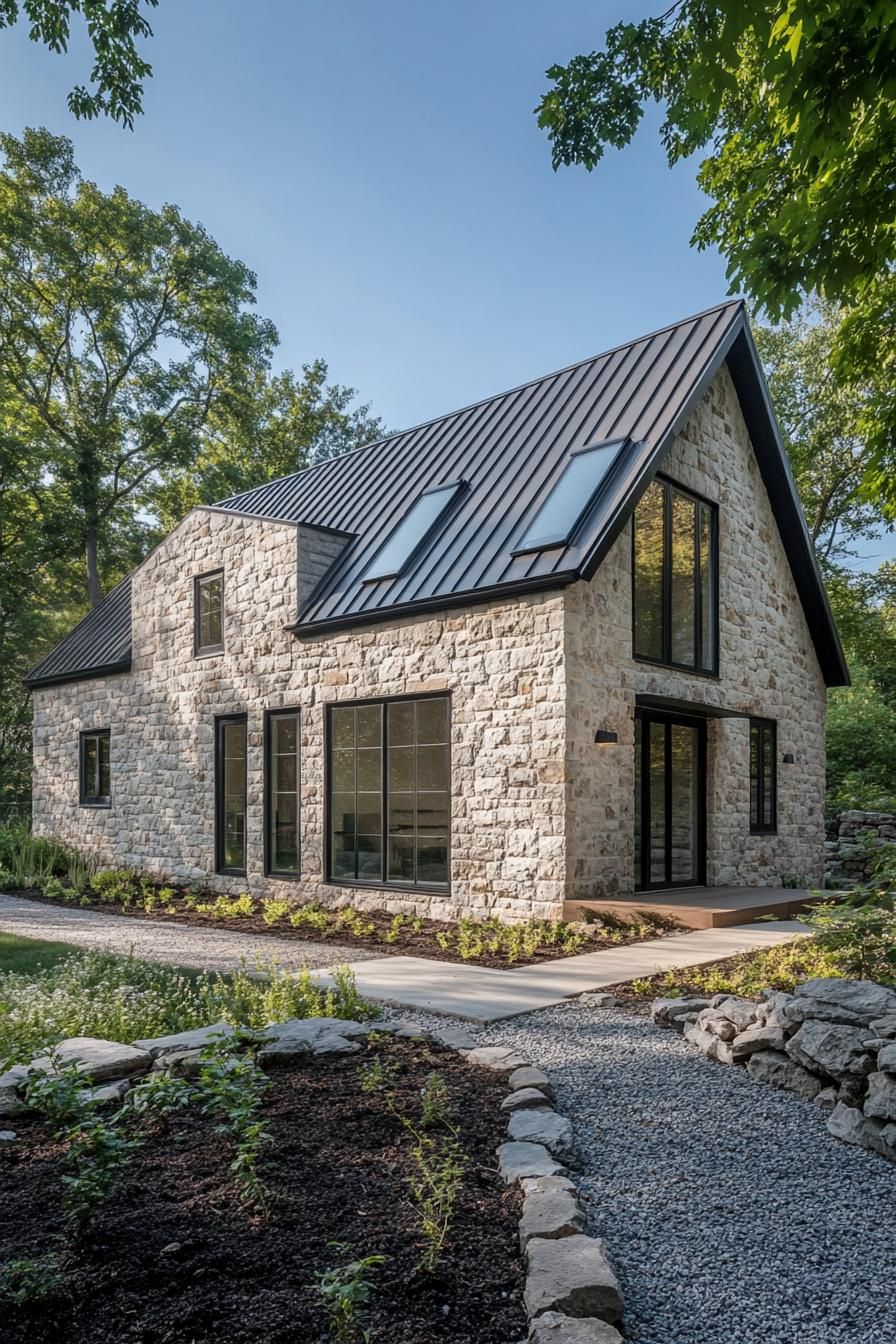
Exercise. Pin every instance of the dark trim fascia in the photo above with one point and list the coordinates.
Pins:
(446, 602)
(89, 674)
(669, 704)
(756, 407)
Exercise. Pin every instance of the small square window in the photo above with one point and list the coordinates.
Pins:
(208, 613)
(94, 769)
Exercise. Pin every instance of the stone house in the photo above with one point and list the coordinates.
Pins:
(567, 644)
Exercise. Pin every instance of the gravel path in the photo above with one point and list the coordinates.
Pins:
(732, 1215)
(181, 944)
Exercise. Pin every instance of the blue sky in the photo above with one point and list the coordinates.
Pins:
(378, 166)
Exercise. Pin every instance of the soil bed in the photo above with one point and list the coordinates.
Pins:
(174, 1258)
(422, 941)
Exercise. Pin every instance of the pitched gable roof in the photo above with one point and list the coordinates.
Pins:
(99, 645)
(509, 451)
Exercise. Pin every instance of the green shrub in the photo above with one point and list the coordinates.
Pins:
(123, 999)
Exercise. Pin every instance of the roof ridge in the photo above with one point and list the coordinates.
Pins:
(484, 401)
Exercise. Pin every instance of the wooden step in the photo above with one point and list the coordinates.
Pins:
(702, 907)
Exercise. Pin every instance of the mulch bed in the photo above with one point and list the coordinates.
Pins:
(174, 1258)
(408, 942)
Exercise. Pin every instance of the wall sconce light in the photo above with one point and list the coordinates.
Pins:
(789, 758)
(605, 735)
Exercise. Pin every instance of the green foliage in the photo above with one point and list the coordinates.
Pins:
(345, 1290)
(99, 1151)
(747, 975)
(435, 1103)
(272, 910)
(124, 999)
(58, 1096)
(434, 1188)
(796, 108)
(25, 1281)
(225, 907)
(233, 1087)
(113, 29)
(861, 745)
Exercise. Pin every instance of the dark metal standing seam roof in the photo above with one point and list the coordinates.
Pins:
(98, 645)
(510, 450)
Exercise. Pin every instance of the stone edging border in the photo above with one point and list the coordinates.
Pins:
(571, 1295)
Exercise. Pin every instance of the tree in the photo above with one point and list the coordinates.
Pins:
(113, 27)
(820, 421)
(122, 330)
(795, 101)
(285, 423)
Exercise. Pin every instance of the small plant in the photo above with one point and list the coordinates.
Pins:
(345, 1290)
(272, 911)
(26, 1281)
(394, 931)
(224, 907)
(377, 1075)
(434, 1188)
(310, 916)
(156, 1099)
(435, 1102)
(859, 934)
(99, 1150)
(54, 889)
(58, 1094)
(233, 1088)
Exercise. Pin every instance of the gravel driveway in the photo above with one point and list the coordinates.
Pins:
(732, 1215)
(204, 947)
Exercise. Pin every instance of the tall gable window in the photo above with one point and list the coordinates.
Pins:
(763, 777)
(95, 771)
(208, 613)
(388, 794)
(230, 794)
(422, 518)
(572, 496)
(675, 585)
(282, 792)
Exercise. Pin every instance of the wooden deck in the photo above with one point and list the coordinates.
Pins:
(703, 907)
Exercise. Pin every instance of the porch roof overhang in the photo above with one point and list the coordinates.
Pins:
(670, 704)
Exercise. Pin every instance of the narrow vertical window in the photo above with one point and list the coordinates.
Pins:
(389, 792)
(675, 580)
(282, 792)
(208, 613)
(230, 791)
(94, 768)
(763, 776)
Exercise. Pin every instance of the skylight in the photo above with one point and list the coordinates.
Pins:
(423, 516)
(571, 497)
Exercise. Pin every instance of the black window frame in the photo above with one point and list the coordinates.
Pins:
(698, 668)
(221, 722)
(86, 799)
(767, 730)
(201, 650)
(375, 571)
(282, 874)
(384, 883)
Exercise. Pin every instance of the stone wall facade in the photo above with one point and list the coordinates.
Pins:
(540, 813)
(502, 664)
(767, 668)
(853, 846)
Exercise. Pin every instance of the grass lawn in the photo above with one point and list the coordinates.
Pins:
(30, 954)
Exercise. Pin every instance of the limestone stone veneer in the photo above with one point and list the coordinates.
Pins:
(539, 812)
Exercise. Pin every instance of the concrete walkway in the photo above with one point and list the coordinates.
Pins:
(476, 993)
(479, 994)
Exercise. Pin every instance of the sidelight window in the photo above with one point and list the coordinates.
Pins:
(675, 583)
(389, 792)
(230, 794)
(763, 776)
(282, 792)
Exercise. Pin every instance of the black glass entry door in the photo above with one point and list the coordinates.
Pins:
(670, 801)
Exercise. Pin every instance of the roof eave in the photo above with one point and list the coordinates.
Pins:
(85, 674)
(439, 602)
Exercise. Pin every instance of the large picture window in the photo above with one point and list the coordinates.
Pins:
(208, 615)
(230, 794)
(94, 769)
(675, 579)
(763, 776)
(389, 792)
(282, 792)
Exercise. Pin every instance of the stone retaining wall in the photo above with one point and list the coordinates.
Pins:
(832, 1042)
(853, 841)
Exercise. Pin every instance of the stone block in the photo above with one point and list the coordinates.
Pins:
(572, 1276)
